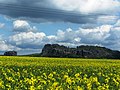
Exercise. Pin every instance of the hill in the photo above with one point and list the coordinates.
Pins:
(55, 50)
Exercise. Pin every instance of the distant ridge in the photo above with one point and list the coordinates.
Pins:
(55, 50)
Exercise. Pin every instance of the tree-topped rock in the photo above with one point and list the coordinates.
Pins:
(55, 50)
(10, 53)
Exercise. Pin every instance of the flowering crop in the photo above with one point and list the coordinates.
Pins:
(26, 73)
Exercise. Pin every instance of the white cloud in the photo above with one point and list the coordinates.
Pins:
(107, 19)
(22, 26)
(68, 35)
(104, 35)
(25, 36)
(87, 36)
(88, 6)
(77, 40)
(26, 39)
(5, 46)
(75, 37)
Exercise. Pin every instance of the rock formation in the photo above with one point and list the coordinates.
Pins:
(55, 50)
(10, 53)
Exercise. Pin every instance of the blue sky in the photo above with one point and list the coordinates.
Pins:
(26, 27)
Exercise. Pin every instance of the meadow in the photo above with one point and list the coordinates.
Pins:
(37, 73)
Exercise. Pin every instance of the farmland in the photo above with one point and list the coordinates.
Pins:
(37, 73)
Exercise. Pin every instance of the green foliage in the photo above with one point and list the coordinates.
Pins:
(31, 73)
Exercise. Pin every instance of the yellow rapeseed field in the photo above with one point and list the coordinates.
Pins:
(37, 73)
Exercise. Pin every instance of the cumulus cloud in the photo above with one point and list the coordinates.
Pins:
(74, 11)
(94, 36)
(104, 35)
(25, 36)
(28, 39)
(5, 46)
(22, 26)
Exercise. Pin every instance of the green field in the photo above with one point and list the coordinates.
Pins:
(34, 73)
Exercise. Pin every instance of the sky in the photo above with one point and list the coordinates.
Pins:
(27, 25)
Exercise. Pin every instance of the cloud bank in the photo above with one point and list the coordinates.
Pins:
(84, 11)
(4, 46)
(88, 6)
(105, 35)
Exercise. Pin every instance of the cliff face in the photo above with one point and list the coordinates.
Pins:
(55, 50)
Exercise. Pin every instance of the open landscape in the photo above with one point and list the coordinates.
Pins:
(59, 44)
(38, 73)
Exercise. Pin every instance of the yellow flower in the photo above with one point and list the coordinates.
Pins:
(1, 84)
(32, 88)
(55, 84)
(44, 82)
(95, 79)
(77, 75)
(68, 80)
(106, 80)
(54, 73)
(65, 76)
(79, 88)
(50, 75)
